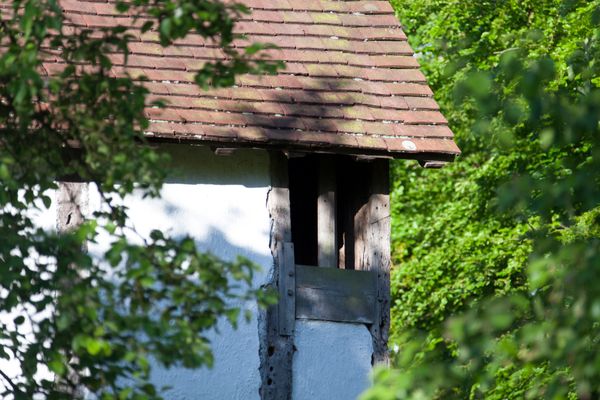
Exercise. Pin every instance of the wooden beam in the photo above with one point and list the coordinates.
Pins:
(331, 294)
(326, 214)
(72, 201)
(299, 147)
(277, 350)
(352, 191)
(287, 289)
(372, 251)
(71, 204)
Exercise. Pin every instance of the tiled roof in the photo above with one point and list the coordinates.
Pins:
(352, 83)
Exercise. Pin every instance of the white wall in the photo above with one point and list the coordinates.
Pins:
(221, 202)
(333, 360)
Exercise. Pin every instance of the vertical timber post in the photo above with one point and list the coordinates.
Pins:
(72, 202)
(372, 251)
(277, 327)
(326, 214)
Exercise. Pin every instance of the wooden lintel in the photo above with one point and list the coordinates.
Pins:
(326, 214)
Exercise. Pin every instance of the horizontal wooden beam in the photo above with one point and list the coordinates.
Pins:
(299, 147)
(331, 294)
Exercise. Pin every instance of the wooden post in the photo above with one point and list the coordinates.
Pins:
(372, 251)
(71, 207)
(277, 324)
(71, 203)
(287, 289)
(326, 214)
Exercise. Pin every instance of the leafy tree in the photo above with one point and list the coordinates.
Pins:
(497, 256)
(95, 333)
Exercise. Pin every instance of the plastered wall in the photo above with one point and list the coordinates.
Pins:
(333, 360)
(221, 202)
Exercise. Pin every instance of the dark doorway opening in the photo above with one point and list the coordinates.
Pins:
(351, 193)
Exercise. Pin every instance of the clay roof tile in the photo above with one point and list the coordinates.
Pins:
(352, 84)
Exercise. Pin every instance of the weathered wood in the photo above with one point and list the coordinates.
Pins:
(287, 289)
(326, 214)
(372, 251)
(344, 282)
(352, 192)
(279, 200)
(71, 204)
(333, 294)
(276, 351)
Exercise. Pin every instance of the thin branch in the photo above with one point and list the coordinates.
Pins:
(10, 382)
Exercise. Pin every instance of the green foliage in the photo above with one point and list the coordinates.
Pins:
(98, 331)
(496, 280)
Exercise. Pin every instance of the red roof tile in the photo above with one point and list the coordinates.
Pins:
(351, 85)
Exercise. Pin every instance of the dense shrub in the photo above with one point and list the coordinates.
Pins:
(496, 267)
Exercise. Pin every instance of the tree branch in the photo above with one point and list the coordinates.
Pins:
(10, 382)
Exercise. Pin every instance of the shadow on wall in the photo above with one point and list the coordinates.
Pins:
(226, 230)
(217, 243)
(220, 202)
(235, 374)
